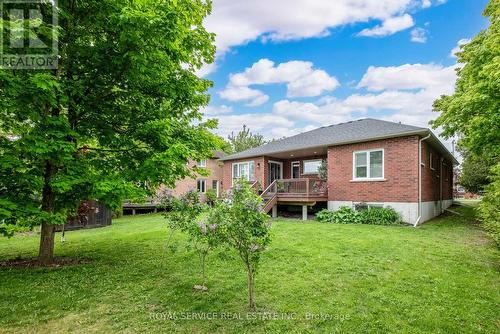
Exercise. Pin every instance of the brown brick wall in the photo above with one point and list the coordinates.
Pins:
(287, 166)
(431, 178)
(216, 173)
(260, 169)
(400, 172)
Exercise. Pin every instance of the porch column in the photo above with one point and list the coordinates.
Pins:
(275, 211)
(304, 212)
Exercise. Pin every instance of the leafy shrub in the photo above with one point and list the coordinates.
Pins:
(489, 209)
(323, 170)
(346, 215)
(211, 196)
(380, 216)
(325, 216)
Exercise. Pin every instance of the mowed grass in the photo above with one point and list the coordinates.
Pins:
(442, 277)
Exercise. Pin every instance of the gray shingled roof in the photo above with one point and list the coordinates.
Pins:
(343, 133)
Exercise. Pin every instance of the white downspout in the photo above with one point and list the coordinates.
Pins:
(420, 179)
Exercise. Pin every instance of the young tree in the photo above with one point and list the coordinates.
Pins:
(244, 140)
(185, 214)
(244, 227)
(119, 109)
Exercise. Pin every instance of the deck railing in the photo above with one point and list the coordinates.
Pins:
(303, 187)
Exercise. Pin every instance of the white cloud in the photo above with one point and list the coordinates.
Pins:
(457, 48)
(257, 122)
(397, 93)
(389, 26)
(239, 22)
(408, 76)
(301, 79)
(243, 93)
(426, 3)
(418, 35)
(216, 110)
(206, 69)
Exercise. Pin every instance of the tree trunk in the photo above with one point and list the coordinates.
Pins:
(46, 250)
(251, 303)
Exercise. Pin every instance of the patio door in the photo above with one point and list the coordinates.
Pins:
(295, 169)
(275, 171)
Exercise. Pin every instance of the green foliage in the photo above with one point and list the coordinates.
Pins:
(475, 172)
(323, 170)
(472, 111)
(380, 216)
(122, 108)
(211, 195)
(489, 208)
(244, 140)
(344, 215)
(373, 216)
(186, 214)
(244, 227)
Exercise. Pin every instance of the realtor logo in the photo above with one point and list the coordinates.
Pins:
(28, 36)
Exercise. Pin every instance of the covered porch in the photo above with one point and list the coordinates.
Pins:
(286, 178)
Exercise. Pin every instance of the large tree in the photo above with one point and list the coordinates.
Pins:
(120, 110)
(475, 172)
(473, 111)
(244, 140)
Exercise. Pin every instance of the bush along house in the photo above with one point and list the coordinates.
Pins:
(369, 163)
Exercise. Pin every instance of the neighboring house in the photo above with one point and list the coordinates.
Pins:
(370, 163)
(203, 183)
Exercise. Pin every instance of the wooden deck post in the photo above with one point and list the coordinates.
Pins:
(304, 212)
(133, 212)
(275, 211)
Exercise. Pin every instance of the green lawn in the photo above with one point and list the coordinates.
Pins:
(440, 278)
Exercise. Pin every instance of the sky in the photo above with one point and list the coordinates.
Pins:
(287, 66)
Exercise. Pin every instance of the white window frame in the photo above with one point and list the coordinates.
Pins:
(431, 161)
(368, 177)
(291, 168)
(204, 182)
(250, 177)
(202, 163)
(304, 166)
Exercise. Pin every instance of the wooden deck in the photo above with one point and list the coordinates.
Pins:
(294, 191)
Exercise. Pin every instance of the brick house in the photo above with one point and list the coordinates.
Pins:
(202, 183)
(369, 162)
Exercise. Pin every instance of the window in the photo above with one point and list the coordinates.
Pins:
(366, 206)
(244, 170)
(433, 161)
(215, 186)
(202, 163)
(311, 166)
(201, 186)
(368, 165)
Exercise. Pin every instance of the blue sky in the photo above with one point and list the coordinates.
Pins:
(285, 67)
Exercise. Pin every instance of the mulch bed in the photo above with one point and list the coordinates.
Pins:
(33, 263)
